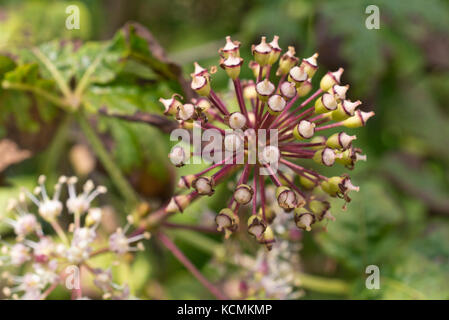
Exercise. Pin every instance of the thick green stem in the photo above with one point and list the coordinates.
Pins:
(57, 146)
(39, 92)
(114, 172)
(198, 240)
(323, 285)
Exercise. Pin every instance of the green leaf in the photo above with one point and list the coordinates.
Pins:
(418, 181)
(366, 233)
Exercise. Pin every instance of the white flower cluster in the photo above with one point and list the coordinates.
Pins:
(44, 257)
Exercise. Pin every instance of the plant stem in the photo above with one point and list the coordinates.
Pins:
(192, 227)
(114, 172)
(53, 154)
(38, 91)
(189, 265)
(54, 72)
(87, 74)
(197, 240)
(323, 285)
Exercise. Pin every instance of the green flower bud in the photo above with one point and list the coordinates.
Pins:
(321, 209)
(310, 65)
(331, 78)
(201, 85)
(249, 90)
(255, 67)
(267, 238)
(325, 156)
(338, 186)
(171, 105)
(243, 194)
(325, 103)
(304, 219)
(232, 66)
(297, 75)
(275, 51)
(340, 140)
(288, 199)
(350, 156)
(358, 120)
(262, 52)
(304, 88)
(288, 89)
(345, 110)
(227, 220)
(265, 89)
(318, 139)
(304, 130)
(287, 61)
(307, 181)
(330, 186)
(339, 92)
(230, 48)
(269, 214)
(256, 226)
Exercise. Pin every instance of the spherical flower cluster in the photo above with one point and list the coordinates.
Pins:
(47, 260)
(285, 120)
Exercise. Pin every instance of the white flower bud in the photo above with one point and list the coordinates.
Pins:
(178, 156)
(287, 61)
(237, 120)
(232, 66)
(204, 185)
(338, 91)
(288, 89)
(310, 65)
(265, 89)
(233, 142)
(325, 156)
(275, 50)
(269, 155)
(276, 104)
(297, 75)
(304, 220)
(171, 105)
(330, 79)
(262, 52)
(185, 112)
(304, 130)
(230, 48)
(325, 103)
(243, 194)
(201, 85)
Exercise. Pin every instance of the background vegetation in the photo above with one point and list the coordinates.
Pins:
(399, 219)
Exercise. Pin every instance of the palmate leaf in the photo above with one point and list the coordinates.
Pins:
(123, 75)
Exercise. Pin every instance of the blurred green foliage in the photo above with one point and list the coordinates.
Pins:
(399, 219)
